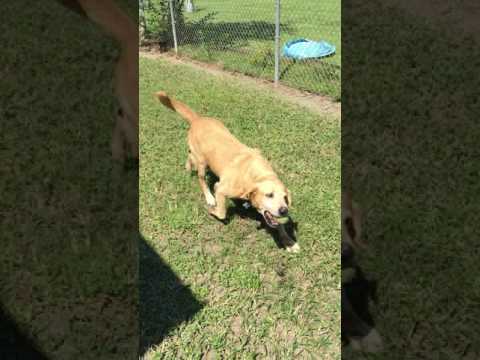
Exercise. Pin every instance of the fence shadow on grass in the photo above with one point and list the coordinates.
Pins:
(226, 35)
(165, 302)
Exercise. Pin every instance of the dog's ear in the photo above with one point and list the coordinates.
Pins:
(249, 194)
(289, 197)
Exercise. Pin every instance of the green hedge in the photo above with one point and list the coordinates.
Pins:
(155, 18)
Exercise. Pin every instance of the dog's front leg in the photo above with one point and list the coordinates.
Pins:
(201, 172)
(290, 244)
(362, 336)
(220, 210)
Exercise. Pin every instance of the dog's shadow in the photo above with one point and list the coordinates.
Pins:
(239, 209)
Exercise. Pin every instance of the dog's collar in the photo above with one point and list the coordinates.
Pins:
(247, 205)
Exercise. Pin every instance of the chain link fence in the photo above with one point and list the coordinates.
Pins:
(241, 36)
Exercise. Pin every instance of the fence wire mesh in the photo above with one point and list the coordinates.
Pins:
(240, 36)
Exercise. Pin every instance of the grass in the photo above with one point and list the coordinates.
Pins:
(257, 300)
(410, 154)
(67, 277)
(240, 37)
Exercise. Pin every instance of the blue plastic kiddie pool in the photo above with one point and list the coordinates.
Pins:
(301, 49)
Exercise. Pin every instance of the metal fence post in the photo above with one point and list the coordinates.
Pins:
(173, 27)
(277, 41)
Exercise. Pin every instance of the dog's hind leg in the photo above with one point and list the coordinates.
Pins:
(201, 169)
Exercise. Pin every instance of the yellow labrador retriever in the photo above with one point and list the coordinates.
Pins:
(243, 172)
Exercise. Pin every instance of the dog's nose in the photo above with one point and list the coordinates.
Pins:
(283, 211)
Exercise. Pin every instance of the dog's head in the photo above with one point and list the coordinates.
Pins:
(271, 199)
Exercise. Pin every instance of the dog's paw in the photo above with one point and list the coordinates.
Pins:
(372, 343)
(210, 200)
(214, 212)
(295, 248)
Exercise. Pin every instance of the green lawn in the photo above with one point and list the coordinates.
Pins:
(239, 36)
(410, 154)
(257, 300)
(67, 276)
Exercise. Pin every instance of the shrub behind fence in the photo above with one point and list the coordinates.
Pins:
(240, 36)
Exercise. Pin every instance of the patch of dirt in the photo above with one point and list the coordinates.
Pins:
(282, 332)
(236, 326)
(210, 355)
(217, 293)
(316, 103)
(301, 281)
(202, 279)
(261, 313)
(212, 248)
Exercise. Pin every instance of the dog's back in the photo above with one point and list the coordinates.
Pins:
(208, 138)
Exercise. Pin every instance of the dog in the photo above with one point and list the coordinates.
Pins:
(242, 171)
(358, 327)
(117, 24)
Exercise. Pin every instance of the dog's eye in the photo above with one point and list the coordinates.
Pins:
(269, 195)
(286, 199)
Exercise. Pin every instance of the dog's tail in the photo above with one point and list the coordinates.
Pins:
(184, 111)
(108, 15)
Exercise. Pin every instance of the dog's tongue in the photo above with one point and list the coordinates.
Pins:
(270, 219)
